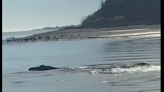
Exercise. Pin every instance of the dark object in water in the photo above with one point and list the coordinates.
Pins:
(42, 68)
(142, 64)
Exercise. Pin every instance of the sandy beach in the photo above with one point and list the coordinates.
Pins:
(77, 34)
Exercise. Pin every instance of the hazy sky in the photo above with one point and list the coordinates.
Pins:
(22, 15)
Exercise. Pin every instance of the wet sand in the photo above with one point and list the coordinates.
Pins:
(77, 34)
(71, 34)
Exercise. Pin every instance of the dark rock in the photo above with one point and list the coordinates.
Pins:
(42, 68)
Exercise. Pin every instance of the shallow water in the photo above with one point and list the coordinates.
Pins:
(24, 33)
(17, 58)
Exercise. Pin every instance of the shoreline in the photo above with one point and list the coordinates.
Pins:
(82, 34)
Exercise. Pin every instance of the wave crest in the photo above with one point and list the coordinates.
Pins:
(117, 68)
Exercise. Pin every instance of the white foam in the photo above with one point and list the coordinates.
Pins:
(78, 67)
(93, 72)
(127, 70)
(104, 81)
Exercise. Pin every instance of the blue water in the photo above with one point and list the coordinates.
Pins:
(17, 58)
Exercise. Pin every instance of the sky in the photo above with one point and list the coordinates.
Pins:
(23, 15)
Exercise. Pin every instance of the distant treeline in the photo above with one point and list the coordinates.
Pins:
(124, 12)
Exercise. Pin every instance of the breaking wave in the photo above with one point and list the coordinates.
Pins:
(127, 70)
(117, 68)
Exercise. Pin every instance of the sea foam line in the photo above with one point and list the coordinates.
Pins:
(127, 70)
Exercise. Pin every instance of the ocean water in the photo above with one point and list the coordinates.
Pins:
(24, 33)
(77, 56)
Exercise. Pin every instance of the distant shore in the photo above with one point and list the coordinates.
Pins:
(77, 34)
